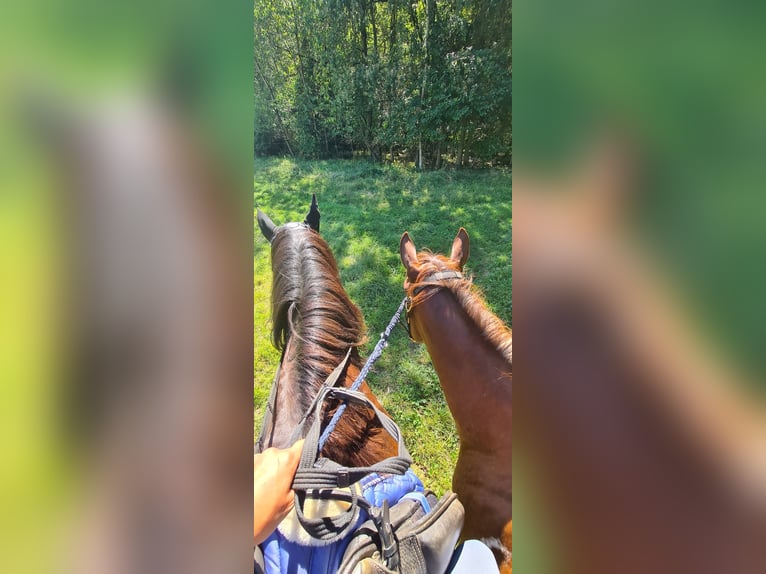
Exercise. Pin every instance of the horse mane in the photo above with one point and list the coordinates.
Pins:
(468, 295)
(311, 310)
(309, 304)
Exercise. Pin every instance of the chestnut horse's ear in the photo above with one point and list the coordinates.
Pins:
(409, 256)
(313, 215)
(267, 226)
(461, 248)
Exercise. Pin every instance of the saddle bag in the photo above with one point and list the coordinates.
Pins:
(425, 540)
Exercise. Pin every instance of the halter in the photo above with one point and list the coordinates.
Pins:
(437, 277)
(431, 280)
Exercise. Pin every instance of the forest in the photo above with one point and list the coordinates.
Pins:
(421, 82)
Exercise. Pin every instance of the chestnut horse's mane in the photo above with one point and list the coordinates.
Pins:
(468, 295)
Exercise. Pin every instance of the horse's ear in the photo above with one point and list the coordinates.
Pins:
(313, 215)
(461, 248)
(267, 226)
(409, 256)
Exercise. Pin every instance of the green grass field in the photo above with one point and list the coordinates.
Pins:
(365, 208)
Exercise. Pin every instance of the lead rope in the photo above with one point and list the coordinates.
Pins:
(376, 353)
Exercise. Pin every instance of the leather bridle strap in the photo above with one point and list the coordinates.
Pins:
(437, 277)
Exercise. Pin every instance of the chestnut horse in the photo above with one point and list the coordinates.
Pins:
(314, 325)
(471, 350)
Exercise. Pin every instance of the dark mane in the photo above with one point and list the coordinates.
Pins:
(469, 297)
(310, 306)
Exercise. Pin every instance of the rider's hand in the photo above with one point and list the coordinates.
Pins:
(273, 472)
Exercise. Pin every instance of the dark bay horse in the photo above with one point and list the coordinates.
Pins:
(471, 350)
(315, 323)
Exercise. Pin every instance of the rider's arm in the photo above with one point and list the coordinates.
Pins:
(273, 472)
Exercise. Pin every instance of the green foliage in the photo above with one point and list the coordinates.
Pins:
(423, 82)
(691, 104)
(365, 241)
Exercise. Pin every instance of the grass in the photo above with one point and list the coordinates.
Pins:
(365, 208)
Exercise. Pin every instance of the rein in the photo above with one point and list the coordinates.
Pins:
(382, 343)
(376, 353)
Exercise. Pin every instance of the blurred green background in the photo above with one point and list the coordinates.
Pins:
(82, 52)
(685, 81)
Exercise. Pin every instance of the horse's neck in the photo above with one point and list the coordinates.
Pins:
(354, 442)
(287, 408)
(474, 375)
(291, 386)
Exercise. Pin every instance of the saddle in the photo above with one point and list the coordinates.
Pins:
(361, 520)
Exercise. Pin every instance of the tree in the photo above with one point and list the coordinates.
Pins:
(426, 81)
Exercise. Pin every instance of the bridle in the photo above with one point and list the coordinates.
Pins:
(432, 280)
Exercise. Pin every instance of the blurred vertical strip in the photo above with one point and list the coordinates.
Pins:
(640, 316)
(125, 286)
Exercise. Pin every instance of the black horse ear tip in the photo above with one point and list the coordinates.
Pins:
(313, 216)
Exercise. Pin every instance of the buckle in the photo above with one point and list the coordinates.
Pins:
(343, 477)
(389, 548)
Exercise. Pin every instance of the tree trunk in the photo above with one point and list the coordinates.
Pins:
(414, 19)
(392, 31)
(363, 30)
(467, 141)
(374, 28)
(430, 15)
